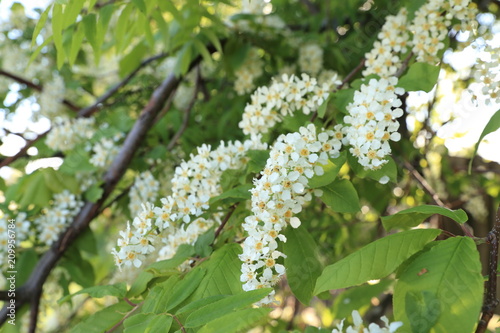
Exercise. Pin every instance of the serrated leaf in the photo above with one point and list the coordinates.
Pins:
(203, 51)
(118, 290)
(140, 5)
(89, 22)
(302, 263)
(420, 76)
(492, 125)
(444, 282)
(223, 273)
(157, 297)
(375, 260)
(102, 320)
(258, 160)
(57, 27)
(237, 194)
(190, 307)
(76, 43)
(184, 289)
(71, 12)
(202, 244)
(237, 321)
(341, 196)
(130, 61)
(93, 193)
(121, 27)
(40, 24)
(220, 308)
(148, 323)
(331, 170)
(342, 98)
(389, 169)
(161, 268)
(412, 217)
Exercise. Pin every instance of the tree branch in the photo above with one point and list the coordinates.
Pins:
(491, 301)
(35, 86)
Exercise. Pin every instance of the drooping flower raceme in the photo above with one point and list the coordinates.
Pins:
(277, 196)
(145, 189)
(372, 328)
(56, 219)
(371, 121)
(311, 58)
(384, 58)
(194, 183)
(269, 104)
(247, 72)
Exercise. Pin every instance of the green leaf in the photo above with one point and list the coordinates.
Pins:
(148, 323)
(303, 265)
(444, 288)
(375, 260)
(157, 297)
(224, 306)
(118, 290)
(121, 27)
(492, 125)
(103, 320)
(237, 321)
(25, 264)
(420, 76)
(223, 273)
(357, 298)
(76, 43)
(130, 62)
(57, 27)
(331, 169)
(89, 22)
(389, 169)
(40, 24)
(412, 217)
(322, 108)
(230, 178)
(190, 307)
(164, 267)
(140, 5)
(202, 244)
(342, 98)
(212, 37)
(71, 12)
(258, 160)
(237, 194)
(203, 51)
(140, 283)
(183, 289)
(183, 59)
(93, 193)
(341, 196)
(80, 270)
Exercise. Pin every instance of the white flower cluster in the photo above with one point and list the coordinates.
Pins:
(21, 231)
(193, 184)
(105, 151)
(278, 195)
(371, 121)
(487, 71)
(281, 98)
(145, 189)
(247, 72)
(384, 58)
(430, 26)
(67, 133)
(51, 97)
(311, 59)
(372, 328)
(66, 205)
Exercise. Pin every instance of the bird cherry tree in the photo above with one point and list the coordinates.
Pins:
(263, 166)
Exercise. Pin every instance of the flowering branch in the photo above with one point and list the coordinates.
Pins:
(30, 291)
(491, 301)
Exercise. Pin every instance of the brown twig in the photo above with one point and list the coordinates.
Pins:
(344, 82)
(128, 314)
(404, 65)
(23, 151)
(187, 113)
(491, 301)
(224, 222)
